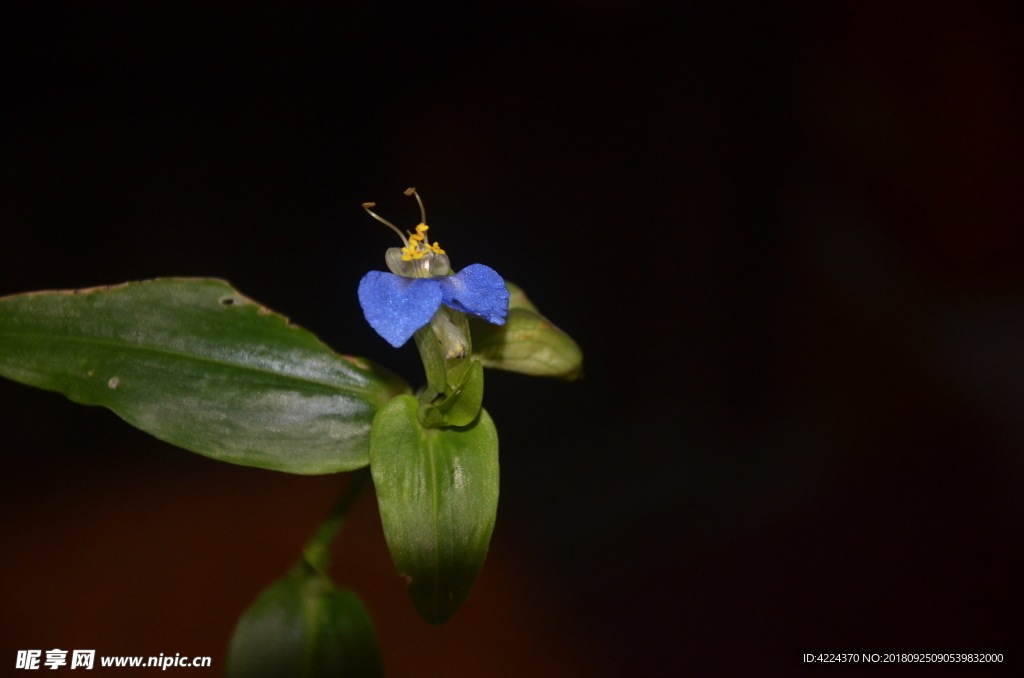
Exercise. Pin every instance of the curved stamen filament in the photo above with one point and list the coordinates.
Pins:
(423, 211)
(368, 205)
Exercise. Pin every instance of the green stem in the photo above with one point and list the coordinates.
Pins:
(317, 551)
(446, 351)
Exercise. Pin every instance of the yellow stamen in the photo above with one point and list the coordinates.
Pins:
(416, 245)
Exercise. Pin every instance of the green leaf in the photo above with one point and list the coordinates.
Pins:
(302, 627)
(197, 364)
(527, 343)
(437, 490)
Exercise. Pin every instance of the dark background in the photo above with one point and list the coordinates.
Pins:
(789, 242)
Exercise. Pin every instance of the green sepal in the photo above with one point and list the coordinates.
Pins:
(301, 626)
(437, 491)
(527, 343)
(461, 407)
(199, 365)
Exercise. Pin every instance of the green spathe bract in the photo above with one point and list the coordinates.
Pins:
(197, 364)
(301, 626)
(527, 343)
(437, 490)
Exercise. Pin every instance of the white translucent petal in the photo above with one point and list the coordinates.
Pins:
(439, 264)
(393, 257)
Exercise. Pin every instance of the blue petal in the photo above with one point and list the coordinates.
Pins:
(395, 306)
(478, 290)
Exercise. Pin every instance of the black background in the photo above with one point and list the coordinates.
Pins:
(788, 241)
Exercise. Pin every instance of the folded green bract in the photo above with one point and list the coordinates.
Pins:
(437, 491)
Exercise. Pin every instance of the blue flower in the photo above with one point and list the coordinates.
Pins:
(397, 304)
